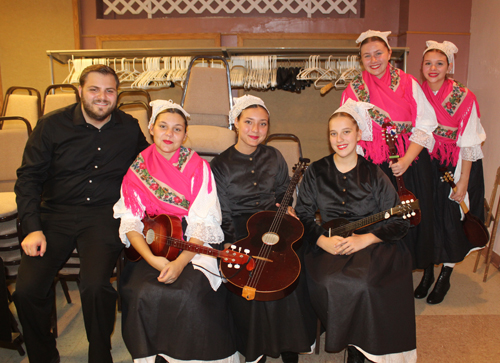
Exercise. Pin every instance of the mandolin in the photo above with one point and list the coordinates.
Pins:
(164, 237)
(272, 240)
(390, 134)
(342, 227)
(475, 230)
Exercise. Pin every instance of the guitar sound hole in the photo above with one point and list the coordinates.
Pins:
(150, 236)
(270, 238)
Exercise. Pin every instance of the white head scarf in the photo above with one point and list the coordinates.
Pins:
(161, 105)
(242, 103)
(359, 111)
(374, 33)
(447, 48)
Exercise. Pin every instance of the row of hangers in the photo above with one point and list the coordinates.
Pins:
(248, 72)
(144, 73)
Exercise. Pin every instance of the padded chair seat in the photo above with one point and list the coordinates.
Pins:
(8, 204)
(205, 138)
(59, 100)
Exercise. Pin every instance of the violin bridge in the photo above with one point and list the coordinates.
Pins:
(248, 292)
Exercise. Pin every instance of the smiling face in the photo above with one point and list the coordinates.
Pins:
(375, 57)
(344, 136)
(252, 126)
(98, 96)
(434, 68)
(169, 132)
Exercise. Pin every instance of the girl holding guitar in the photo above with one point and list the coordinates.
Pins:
(458, 149)
(174, 309)
(398, 99)
(361, 285)
(252, 177)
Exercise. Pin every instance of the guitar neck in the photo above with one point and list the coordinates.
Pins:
(353, 226)
(192, 247)
(394, 156)
(286, 201)
(462, 203)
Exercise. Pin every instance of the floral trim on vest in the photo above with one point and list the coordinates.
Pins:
(159, 189)
(455, 98)
(185, 155)
(447, 132)
(395, 77)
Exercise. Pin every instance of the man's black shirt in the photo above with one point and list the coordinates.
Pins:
(68, 162)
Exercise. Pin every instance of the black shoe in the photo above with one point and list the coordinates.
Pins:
(263, 359)
(442, 286)
(160, 359)
(426, 283)
(354, 355)
(290, 357)
(56, 359)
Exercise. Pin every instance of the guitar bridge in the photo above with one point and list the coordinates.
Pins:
(248, 292)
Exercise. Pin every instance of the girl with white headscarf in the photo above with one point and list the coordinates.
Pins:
(360, 286)
(457, 149)
(175, 309)
(253, 177)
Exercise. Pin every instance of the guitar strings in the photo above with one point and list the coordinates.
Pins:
(266, 249)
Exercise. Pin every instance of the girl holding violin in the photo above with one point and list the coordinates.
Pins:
(457, 149)
(173, 309)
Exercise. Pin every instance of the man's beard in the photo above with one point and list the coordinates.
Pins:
(88, 107)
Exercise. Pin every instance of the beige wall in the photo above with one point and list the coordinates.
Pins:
(28, 29)
(484, 76)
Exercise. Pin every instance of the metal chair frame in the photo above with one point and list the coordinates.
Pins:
(52, 89)
(222, 59)
(32, 91)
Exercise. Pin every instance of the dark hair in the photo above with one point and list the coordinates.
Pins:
(373, 39)
(173, 110)
(344, 114)
(99, 68)
(253, 106)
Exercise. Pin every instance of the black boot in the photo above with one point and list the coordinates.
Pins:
(289, 357)
(442, 286)
(426, 283)
(354, 355)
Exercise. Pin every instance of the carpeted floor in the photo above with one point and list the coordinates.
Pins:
(464, 328)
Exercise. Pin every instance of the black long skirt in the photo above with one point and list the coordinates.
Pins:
(364, 299)
(272, 327)
(418, 179)
(451, 243)
(186, 320)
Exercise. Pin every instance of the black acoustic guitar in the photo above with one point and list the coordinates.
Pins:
(475, 230)
(272, 240)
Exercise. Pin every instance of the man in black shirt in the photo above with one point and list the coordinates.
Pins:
(68, 182)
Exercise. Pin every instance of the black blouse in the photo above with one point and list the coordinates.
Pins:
(356, 194)
(247, 184)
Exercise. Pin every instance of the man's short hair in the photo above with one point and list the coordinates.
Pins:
(99, 68)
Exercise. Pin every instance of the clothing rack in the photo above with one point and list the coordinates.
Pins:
(282, 53)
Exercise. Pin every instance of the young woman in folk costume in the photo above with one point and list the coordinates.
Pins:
(360, 286)
(173, 309)
(252, 177)
(398, 98)
(458, 148)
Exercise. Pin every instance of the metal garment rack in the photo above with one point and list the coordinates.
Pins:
(283, 53)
